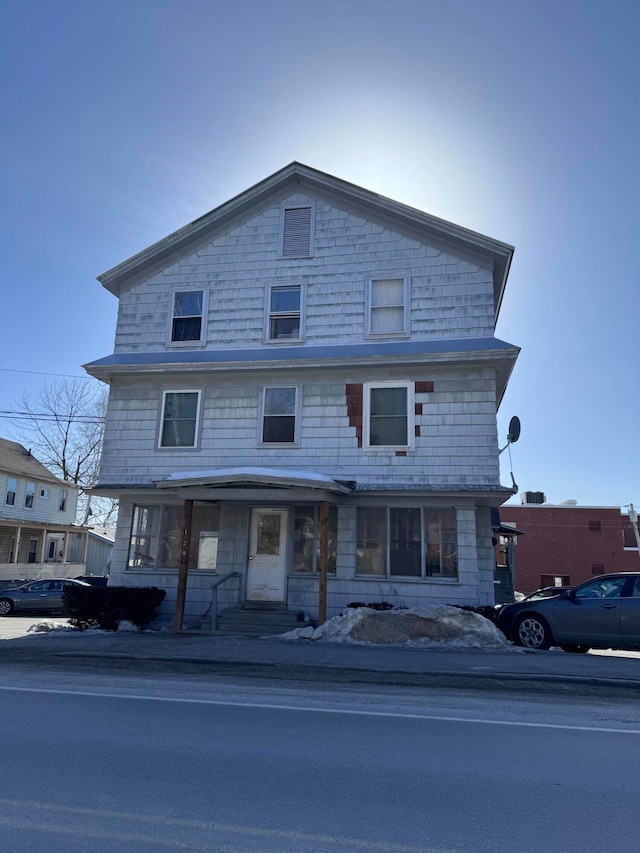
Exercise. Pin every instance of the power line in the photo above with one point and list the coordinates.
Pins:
(50, 416)
(43, 373)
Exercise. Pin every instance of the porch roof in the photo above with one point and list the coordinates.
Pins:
(255, 476)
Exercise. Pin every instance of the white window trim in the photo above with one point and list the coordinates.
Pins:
(33, 494)
(13, 491)
(267, 313)
(196, 436)
(366, 408)
(203, 326)
(297, 415)
(406, 331)
(312, 231)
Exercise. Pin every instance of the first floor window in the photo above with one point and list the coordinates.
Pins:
(156, 536)
(387, 414)
(279, 415)
(187, 319)
(30, 495)
(407, 542)
(12, 487)
(32, 553)
(306, 538)
(284, 312)
(179, 418)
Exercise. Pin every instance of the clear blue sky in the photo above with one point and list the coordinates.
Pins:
(122, 121)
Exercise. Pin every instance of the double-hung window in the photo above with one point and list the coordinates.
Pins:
(388, 415)
(62, 504)
(12, 487)
(179, 420)
(410, 542)
(284, 312)
(279, 422)
(187, 316)
(29, 495)
(388, 307)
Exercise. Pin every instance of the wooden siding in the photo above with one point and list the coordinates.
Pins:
(457, 444)
(450, 296)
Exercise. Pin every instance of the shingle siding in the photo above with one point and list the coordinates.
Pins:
(450, 297)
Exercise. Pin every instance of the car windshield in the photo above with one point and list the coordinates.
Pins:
(544, 593)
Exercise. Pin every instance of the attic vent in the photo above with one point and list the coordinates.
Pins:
(296, 232)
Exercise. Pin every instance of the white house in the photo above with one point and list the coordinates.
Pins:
(38, 536)
(308, 350)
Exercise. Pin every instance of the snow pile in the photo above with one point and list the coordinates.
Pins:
(435, 626)
(48, 626)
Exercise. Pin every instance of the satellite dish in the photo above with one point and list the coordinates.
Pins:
(514, 430)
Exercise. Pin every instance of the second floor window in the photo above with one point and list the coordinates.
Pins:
(279, 407)
(187, 317)
(387, 415)
(12, 487)
(62, 505)
(180, 410)
(285, 313)
(29, 495)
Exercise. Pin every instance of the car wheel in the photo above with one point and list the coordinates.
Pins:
(533, 633)
(6, 607)
(578, 650)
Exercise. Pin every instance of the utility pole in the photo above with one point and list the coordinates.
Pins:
(633, 518)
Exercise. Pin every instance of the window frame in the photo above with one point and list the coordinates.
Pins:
(406, 295)
(197, 424)
(366, 415)
(11, 491)
(30, 493)
(203, 317)
(332, 530)
(62, 502)
(423, 575)
(296, 415)
(150, 544)
(310, 205)
(268, 314)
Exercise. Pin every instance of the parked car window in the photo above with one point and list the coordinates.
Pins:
(635, 592)
(602, 588)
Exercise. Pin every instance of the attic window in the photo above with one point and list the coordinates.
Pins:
(297, 231)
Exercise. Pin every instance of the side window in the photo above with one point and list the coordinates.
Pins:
(62, 505)
(284, 312)
(179, 420)
(388, 415)
(297, 231)
(29, 495)
(12, 487)
(388, 307)
(279, 420)
(188, 316)
(602, 588)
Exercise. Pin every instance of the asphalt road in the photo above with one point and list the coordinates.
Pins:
(101, 763)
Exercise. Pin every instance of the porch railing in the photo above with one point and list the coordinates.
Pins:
(213, 606)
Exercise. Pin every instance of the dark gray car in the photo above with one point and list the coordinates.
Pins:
(44, 595)
(602, 613)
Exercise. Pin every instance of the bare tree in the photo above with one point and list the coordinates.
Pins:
(63, 424)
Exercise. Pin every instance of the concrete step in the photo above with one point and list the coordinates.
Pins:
(257, 621)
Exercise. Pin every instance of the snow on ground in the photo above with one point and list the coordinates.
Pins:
(435, 626)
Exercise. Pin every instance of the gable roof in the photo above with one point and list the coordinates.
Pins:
(16, 459)
(422, 225)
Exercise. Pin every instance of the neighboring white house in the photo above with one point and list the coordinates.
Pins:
(308, 347)
(38, 536)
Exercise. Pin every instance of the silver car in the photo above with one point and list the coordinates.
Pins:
(602, 613)
(45, 595)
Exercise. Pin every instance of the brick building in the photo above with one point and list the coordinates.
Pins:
(566, 544)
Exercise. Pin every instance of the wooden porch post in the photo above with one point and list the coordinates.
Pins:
(322, 562)
(183, 571)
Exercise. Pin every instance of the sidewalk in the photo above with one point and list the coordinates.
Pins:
(323, 661)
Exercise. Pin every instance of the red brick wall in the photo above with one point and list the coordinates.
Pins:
(558, 541)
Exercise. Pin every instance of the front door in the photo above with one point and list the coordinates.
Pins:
(266, 572)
